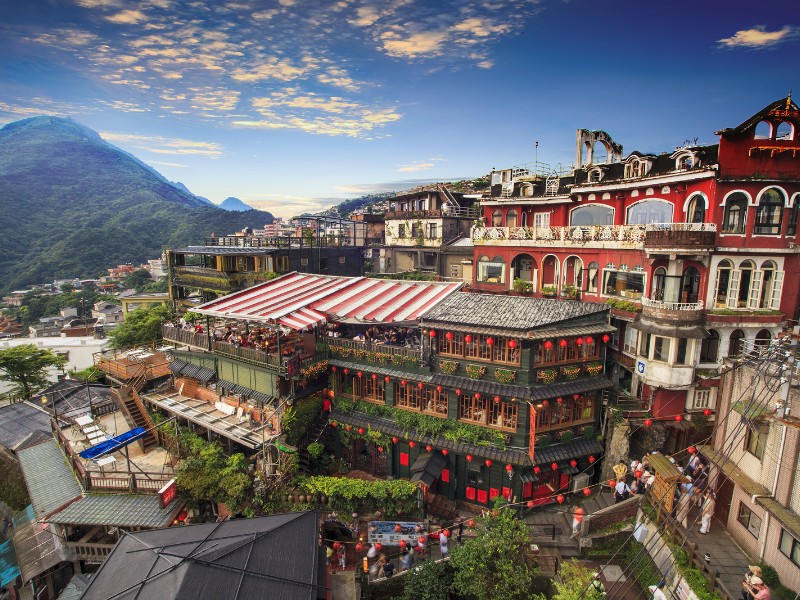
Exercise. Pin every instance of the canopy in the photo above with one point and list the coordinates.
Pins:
(114, 443)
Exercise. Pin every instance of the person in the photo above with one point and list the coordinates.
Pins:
(381, 564)
(682, 514)
(621, 491)
(620, 470)
(388, 569)
(754, 571)
(658, 593)
(342, 558)
(596, 588)
(460, 531)
(443, 539)
(372, 552)
(707, 511)
(757, 589)
(407, 560)
(326, 406)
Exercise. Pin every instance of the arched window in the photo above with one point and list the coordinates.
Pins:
(709, 348)
(724, 275)
(763, 131)
(696, 212)
(690, 285)
(769, 213)
(491, 270)
(497, 218)
(595, 175)
(763, 338)
(746, 284)
(768, 286)
(593, 214)
(784, 131)
(735, 213)
(592, 274)
(650, 211)
(511, 218)
(659, 284)
(736, 343)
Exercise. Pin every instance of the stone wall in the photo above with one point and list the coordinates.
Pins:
(617, 448)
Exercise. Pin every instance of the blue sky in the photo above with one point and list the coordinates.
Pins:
(294, 105)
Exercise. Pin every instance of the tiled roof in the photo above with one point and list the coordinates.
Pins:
(563, 453)
(118, 510)
(515, 456)
(567, 388)
(508, 312)
(490, 388)
(51, 484)
(18, 421)
(543, 334)
(339, 363)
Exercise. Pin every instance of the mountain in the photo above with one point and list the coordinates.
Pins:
(73, 205)
(234, 204)
(182, 187)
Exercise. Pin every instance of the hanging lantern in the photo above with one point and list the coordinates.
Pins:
(691, 449)
(579, 341)
(606, 338)
(380, 449)
(334, 423)
(395, 440)
(346, 371)
(378, 547)
(359, 547)
(590, 340)
(420, 385)
(428, 447)
(560, 400)
(387, 379)
(403, 543)
(587, 492)
(182, 516)
(360, 431)
(458, 391)
(471, 523)
(477, 396)
(497, 399)
(575, 396)
(360, 374)
(537, 470)
(374, 376)
(648, 422)
(402, 382)
(548, 345)
(707, 412)
(612, 483)
(573, 463)
(563, 343)
(592, 459)
(347, 427)
(554, 466)
(560, 499)
(445, 452)
(578, 511)
(545, 403)
(412, 443)
(531, 504)
(446, 533)
(333, 368)
(336, 545)
(490, 341)
(512, 344)
(439, 388)
(488, 463)
(432, 333)
(469, 457)
(509, 468)
(449, 336)
(468, 339)
(422, 539)
(679, 418)
(398, 528)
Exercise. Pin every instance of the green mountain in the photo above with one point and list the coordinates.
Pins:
(73, 205)
(232, 203)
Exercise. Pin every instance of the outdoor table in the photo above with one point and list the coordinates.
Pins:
(106, 460)
(94, 436)
(84, 420)
(92, 429)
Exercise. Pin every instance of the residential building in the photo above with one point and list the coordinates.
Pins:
(121, 271)
(690, 247)
(146, 300)
(755, 456)
(427, 230)
(157, 267)
(15, 298)
(107, 314)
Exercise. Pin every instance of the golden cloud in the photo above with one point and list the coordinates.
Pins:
(758, 37)
(413, 45)
(415, 166)
(162, 145)
(127, 17)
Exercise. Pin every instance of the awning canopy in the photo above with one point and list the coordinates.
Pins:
(428, 467)
(113, 444)
(302, 301)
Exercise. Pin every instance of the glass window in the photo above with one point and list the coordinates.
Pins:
(623, 283)
(769, 213)
(432, 231)
(784, 131)
(696, 212)
(709, 348)
(491, 271)
(511, 218)
(735, 213)
(683, 354)
(644, 349)
(702, 398)
(749, 520)
(631, 337)
(661, 346)
(724, 272)
(756, 440)
(736, 343)
(650, 211)
(541, 220)
(789, 547)
(591, 277)
(497, 218)
(593, 214)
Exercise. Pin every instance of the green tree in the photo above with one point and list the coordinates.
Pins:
(140, 328)
(25, 367)
(207, 475)
(429, 581)
(576, 582)
(494, 564)
(137, 279)
(90, 374)
(159, 286)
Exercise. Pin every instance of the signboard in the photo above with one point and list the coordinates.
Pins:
(385, 533)
(532, 441)
(9, 567)
(640, 367)
(168, 493)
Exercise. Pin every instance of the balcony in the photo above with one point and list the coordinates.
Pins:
(252, 356)
(590, 236)
(184, 337)
(90, 553)
(684, 313)
(374, 354)
(201, 277)
(414, 214)
(691, 238)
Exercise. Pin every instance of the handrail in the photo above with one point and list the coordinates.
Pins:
(357, 347)
(671, 305)
(252, 355)
(680, 227)
(586, 233)
(182, 336)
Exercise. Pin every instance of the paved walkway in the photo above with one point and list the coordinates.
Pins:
(726, 556)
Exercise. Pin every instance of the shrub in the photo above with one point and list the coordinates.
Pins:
(315, 449)
(298, 419)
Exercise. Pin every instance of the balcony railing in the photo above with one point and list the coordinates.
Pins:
(366, 351)
(657, 304)
(414, 214)
(250, 355)
(93, 553)
(613, 234)
(184, 337)
(696, 236)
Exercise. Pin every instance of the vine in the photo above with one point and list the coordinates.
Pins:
(571, 372)
(448, 367)
(475, 371)
(505, 375)
(547, 376)
(594, 368)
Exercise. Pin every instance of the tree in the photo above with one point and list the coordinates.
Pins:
(159, 286)
(429, 581)
(207, 475)
(494, 564)
(26, 368)
(576, 582)
(137, 279)
(140, 328)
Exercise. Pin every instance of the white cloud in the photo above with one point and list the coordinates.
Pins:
(415, 166)
(759, 37)
(163, 145)
(127, 17)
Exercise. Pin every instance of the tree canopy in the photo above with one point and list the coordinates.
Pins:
(140, 328)
(137, 279)
(575, 582)
(25, 367)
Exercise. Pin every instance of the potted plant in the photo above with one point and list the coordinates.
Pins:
(570, 291)
(522, 287)
(549, 291)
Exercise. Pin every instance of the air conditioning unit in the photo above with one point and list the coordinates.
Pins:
(579, 482)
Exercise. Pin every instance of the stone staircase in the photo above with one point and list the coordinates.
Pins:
(318, 432)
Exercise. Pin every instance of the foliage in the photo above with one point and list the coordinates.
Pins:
(594, 368)
(315, 449)
(141, 327)
(547, 376)
(90, 374)
(549, 290)
(722, 312)
(207, 475)
(431, 580)
(505, 375)
(575, 582)
(25, 367)
(347, 494)
(298, 419)
(405, 276)
(448, 367)
(770, 576)
(570, 291)
(522, 286)
(629, 551)
(623, 305)
(566, 436)
(493, 564)
(694, 577)
(475, 371)
(37, 304)
(571, 371)
(154, 287)
(543, 440)
(12, 484)
(137, 279)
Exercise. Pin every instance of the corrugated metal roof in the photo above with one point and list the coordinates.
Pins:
(51, 483)
(123, 510)
(18, 421)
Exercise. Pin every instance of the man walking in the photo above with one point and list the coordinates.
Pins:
(707, 511)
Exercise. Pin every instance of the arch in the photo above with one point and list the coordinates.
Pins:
(550, 270)
(736, 343)
(723, 284)
(763, 131)
(526, 189)
(601, 152)
(595, 175)
(767, 280)
(592, 214)
(572, 273)
(735, 216)
(769, 212)
(773, 193)
(491, 270)
(763, 339)
(592, 277)
(651, 210)
(784, 131)
(709, 347)
(659, 284)
(695, 208)
(524, 267)
(524, 219)
(690, 285)
(497, 218)
(511, 218)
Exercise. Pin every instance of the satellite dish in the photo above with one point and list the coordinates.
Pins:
(213, 386)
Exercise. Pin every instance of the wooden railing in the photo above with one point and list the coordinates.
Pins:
(182, 336)
(250, 355)
(344, 348)
(314, 359)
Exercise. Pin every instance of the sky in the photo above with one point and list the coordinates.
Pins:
(295, 105)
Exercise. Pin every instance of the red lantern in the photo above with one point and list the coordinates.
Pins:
(531, 504)
(402, 382)
(439, 388)
(359, 547)
(333, 368)
(563, 343)
(488, 463)
(606, 338)
(679, 418)
(346, 371)
(380, 449)
(592, 459)
(398, 528)
(182, 516)
(468, 339)
(497, 399)
(360, 374)
(336, 545)
(590, 340)
(545, 403)
(691, 449)
(445, 452)
(374, 376)
(548, 345)
(347, 427)
(490, 341)
(471, 523)
(446, 533)
(411, 444)
(334, 423)
(578, 511)
(559, 400)
(432, 333)
(512, 344)
(573, 463)
(554, 466)
(707, 412)
(477, 396)
(394, 440)
(560, 499)
(448, 336)
(378, 546)
(469, 457)
(403, 543)
(648, 422)
(458, 391)
(360, 431)
(509, 468)
(612, 483)
(587, 492)
(579, 341)
(428, 447)
(387, 379)
(420, 385)
(537, 470)
(575, 396)
(422, 539)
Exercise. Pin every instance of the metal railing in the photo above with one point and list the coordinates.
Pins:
(691, 306)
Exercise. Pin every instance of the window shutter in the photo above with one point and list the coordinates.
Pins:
(733, 289)
(755, 289)
(777, 286)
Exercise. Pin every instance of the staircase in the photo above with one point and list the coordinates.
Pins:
(134, 411)
(318, 432)
(441, 507)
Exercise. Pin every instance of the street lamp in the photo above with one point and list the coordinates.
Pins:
(55, 412)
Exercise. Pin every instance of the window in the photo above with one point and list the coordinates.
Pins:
(491, 271)
(593, 214)
(763, 131)
(769, 213)
(623, 283)
(650, 211)
(784, 131)
(745, 281)
(696, 213)
(636, 168)
(432, 231)
(342, 260)
(368, 388)
(511, 218)
(591, 277)
(756, 440)
(500, 350)
(304, 261)
(401, 230)
(702, 398)
(503, 414)
(766, 281)
(750, 520)
(415, 230)
(455, 271)
(595, 175)
(789, 547)
(683, 356)
(661, 346)
(791, 225)
(323, 264)
(282, 264)
(763, 338)
(497, 218)
(736, 343)
(735, 217)
(709, 347)
(541, 220)
(472, 408)
(644, 347)
(631, 337)
(725, 275)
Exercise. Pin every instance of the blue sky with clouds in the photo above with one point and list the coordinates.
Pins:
(293, 105)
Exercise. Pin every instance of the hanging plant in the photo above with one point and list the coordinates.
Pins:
(547, 376)
(505, 375)
(594, 368)
(475, 371)
(448, 367)
(542, 440)
(566, 436)
(571, 371)
(381, 358)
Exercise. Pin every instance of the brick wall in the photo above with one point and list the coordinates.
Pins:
(607, 517)
(193, 389)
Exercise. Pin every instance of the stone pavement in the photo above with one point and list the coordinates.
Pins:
(726, 557)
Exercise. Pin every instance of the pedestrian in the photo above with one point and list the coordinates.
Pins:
(372, 552)
(658, 593)
(757, 589)
(460, 531)
(407, 560)
(753, 571)
(381, 564)
(621, 491)
(620, 470)
(707, 511)
(388, 569)
(443, 539)
(682, 514)
(342, 558)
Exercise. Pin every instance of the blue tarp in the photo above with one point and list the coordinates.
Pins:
(115, 443)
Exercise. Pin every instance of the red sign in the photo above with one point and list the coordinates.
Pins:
(533, 431)
(168, 493)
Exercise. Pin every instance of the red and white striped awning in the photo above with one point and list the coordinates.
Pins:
(301, 301)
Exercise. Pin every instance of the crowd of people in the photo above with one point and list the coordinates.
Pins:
(388, 336)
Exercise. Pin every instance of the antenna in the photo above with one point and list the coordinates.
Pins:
(536, 145)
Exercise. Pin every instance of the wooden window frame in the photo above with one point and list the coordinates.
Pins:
(478, 350)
